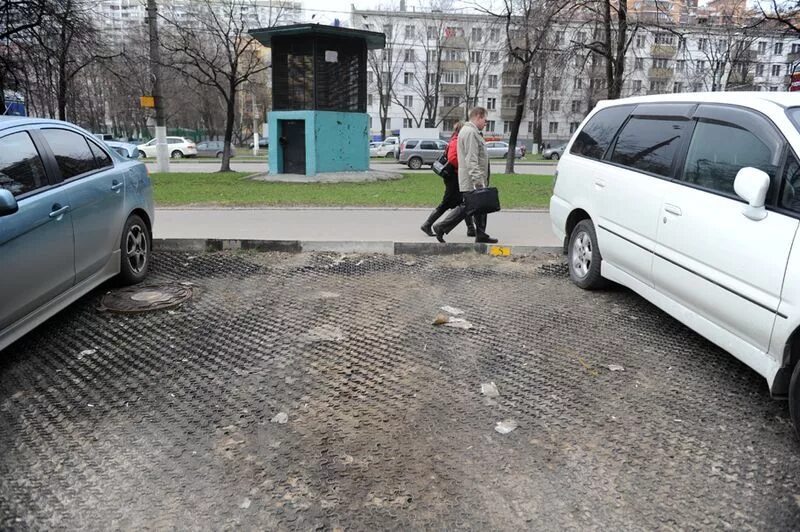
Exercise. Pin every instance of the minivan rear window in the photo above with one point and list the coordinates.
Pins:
(596, 136)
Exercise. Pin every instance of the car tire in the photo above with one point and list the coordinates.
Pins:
(219, 155)
(140, 154)
(415, 163)
(794, 398)
(389, 155)
(554, 157)
(583, 257)
(505, 155)
(135, 248)
(177, 154)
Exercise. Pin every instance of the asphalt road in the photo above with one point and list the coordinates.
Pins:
(313, 392)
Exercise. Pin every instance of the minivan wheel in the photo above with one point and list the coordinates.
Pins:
(219, 155)
(415, 163)
(794, 398)
(135, 248)
(177, 154)
(583, 256)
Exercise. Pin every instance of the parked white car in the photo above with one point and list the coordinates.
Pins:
(381, 149)
(693, 201)
(178, 147)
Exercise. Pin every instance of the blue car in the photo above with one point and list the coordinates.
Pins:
(73, 214)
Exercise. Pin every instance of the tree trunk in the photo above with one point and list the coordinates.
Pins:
(523, 95)
(615, 90)
(230, 116)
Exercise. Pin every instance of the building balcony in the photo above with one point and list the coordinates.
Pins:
(661, 73)
(454, 65)
(795, 56)
(663, 51)
(508, 113)
(456, 112)
(451, 89)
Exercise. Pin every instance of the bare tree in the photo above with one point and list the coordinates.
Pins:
(783, 12)
(211, 46)
(528, 26)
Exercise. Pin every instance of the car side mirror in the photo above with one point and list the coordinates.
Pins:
(752, 184)
(8, 204)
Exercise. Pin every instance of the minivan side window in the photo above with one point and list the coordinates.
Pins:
(790, 196)
(719, 150)
(649, 144)
(21, 168)
(596, 136)
(71, 151)
(428, 145)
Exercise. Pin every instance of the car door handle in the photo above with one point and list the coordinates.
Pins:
(600, 184)
(115, 186)
(673, 209)
(58, 210)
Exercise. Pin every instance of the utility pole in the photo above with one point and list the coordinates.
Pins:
(256, 121)
(162, 152)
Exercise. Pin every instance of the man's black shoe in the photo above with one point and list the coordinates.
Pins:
(485, 239)
(470, 231)
(439, 234)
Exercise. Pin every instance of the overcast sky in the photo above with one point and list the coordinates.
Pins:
(327, 10)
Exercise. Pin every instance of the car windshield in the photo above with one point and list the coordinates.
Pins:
(794, 115)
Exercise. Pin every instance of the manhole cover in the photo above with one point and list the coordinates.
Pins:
(145, 298)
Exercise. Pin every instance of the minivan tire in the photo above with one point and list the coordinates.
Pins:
(794, 398)
(415, 163)
(135, 251)
(583, 257)
(389, 155)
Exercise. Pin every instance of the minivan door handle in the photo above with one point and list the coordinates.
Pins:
(673, 209)
(58, 210)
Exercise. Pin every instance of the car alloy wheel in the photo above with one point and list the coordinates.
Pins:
(136, 248)
(415, 163)
(177, 155)
(581, 254)
(554, 157)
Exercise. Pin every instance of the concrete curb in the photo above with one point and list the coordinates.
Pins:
(199, 245)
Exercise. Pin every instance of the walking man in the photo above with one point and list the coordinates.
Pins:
(473, 173)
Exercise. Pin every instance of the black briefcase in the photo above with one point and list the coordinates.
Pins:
(482, 201)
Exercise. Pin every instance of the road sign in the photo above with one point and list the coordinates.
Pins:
(147, 101)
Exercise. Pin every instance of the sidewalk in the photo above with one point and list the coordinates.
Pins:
(512, 228)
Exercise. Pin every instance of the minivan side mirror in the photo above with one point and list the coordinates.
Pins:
(8, 204)
(751, 184)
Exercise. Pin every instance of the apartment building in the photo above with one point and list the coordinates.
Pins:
(467, 54)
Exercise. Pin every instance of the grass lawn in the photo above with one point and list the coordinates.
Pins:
(517, 191)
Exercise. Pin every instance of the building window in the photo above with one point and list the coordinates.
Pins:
(433, 33)
(408, 77)
(664, 38)
(432, 56)
(576, 106)
(370, 77)
(578, 84)
(387, 29)
(369, 100)
(407, 122)
(475, 57)
(530, 128)
(778, 48)
(453, 31)
(637, 85)
(409, 56)
(494, 57)
(581, 37)
(507, 126)
(573, 127)
(408, 101)
(473, 80)
(776, 70)
(386, 101)
(452, 77)
(773, 89)
(702, 44)
(448, 124)
(492, 81)
(555, 105)
(658, 86)
(477, 34)
(553, 128)
(491, 103)
(677, 87)
(660, 63)
(490, 126)
(762, 47)
(681, 65)
(450, 101)
(409, 32)
(700, 66)
(640, 41)
(697, 87)
(452, 55)
(796, 48)
(638, 63)
(494, 34)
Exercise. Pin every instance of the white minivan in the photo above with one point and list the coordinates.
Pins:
(693, 201)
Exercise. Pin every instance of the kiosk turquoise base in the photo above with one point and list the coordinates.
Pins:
(321, 141)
